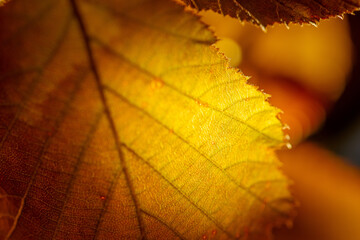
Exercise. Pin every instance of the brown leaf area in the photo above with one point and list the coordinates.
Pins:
(264, 12)
(107, 132)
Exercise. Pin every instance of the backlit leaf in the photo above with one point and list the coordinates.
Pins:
(119, 120)
(268, 12)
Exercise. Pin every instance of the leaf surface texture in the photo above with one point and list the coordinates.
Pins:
(268, 12)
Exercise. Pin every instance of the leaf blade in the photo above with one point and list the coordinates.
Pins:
(182, 144)
(266, 13)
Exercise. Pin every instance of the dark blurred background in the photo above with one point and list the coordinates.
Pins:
(341, 131)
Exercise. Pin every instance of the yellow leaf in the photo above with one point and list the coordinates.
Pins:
(119, 120)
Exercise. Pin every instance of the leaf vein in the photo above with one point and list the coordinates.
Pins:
(79, 160)
(179, 191)
(163, 223)
(190, 145)
(108, 115)
(210, 106)
(46, 142)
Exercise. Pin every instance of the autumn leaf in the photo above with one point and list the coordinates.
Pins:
(264, 12)
(119, 120)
